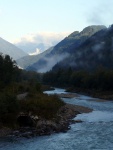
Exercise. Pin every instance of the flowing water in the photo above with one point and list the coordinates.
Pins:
(94, 133)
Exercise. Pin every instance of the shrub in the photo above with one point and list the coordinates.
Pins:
(42, 105)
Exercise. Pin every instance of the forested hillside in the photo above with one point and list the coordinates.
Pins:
(62, 50)
(89, 69)
(95, 51)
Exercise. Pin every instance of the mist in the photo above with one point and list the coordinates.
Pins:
(51, 61)
(96, 48)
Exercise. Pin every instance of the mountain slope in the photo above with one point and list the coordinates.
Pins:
(94, 52)
(39, 41)
(64, 48)
(10, 49)
(26, 61)
(75, 39)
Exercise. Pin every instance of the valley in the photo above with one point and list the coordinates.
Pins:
(82, 64)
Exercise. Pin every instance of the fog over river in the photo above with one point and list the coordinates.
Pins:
(94, 133)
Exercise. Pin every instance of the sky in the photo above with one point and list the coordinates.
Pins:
(22, 18)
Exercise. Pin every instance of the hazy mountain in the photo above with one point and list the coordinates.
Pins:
(39, 42)
(10, 49)
(64, 49)
(94, 52)
(26, 61)
(31, 48)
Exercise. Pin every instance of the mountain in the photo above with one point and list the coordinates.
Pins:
(96, 51)
(64, 49)
(26, 61)
(31, 48)
(39, 41)
(10, 49)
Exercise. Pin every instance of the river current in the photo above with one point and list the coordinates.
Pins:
(94, 133)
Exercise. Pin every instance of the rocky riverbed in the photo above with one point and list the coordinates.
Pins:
(46, 127)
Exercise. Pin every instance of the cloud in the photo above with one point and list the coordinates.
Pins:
(98, 47)
(36, 53)
(100, 14)
(51, 61)
(42, 40)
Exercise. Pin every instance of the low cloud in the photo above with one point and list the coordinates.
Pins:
(36, 53)
(51, 61)
(43, 40)
(98, 47)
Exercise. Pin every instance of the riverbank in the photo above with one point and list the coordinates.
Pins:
(68, 95)
(105, 95)
(46, 88)
(4, 131)
(61, 123)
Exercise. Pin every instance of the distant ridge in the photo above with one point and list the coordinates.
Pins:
(26, 61)
(10, 49)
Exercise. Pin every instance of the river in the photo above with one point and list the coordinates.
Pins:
(94, 133)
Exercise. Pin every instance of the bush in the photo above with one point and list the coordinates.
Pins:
(42, 105)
